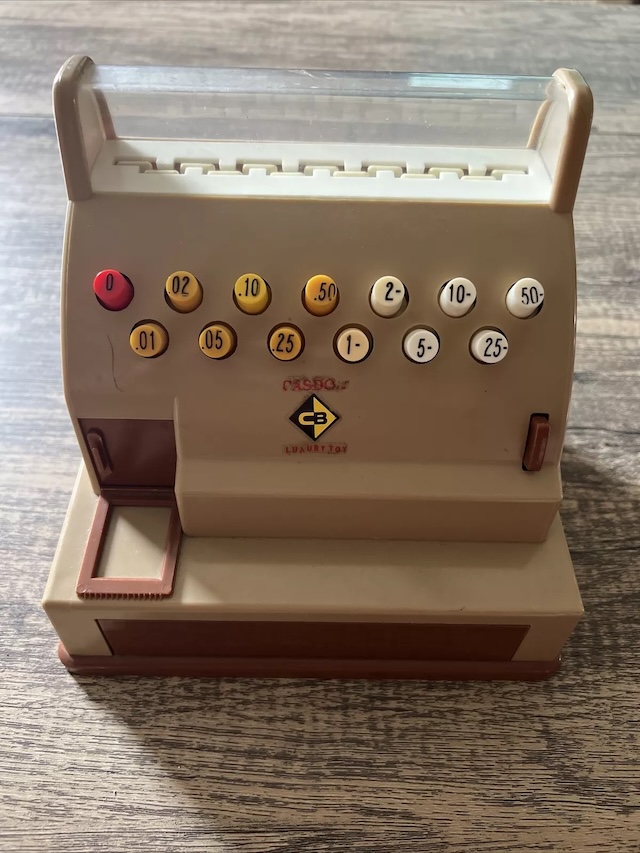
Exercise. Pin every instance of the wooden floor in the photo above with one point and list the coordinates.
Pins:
(182, 765)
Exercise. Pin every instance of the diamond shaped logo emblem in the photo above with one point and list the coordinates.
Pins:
(314, 417)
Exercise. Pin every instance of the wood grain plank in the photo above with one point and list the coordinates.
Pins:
(179, 765)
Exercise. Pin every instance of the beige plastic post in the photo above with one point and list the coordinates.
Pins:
(79, 127)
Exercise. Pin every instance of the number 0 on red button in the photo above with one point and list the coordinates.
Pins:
(113, 290)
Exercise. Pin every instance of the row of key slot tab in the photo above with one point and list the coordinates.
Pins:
(388, 298)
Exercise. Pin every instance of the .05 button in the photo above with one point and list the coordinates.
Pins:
(217, 340)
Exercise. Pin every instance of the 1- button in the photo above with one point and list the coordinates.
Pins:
(113, 290)
(388, 296)
(353, 344)
(183, 291)
(320, 295)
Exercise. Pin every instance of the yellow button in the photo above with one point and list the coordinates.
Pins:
(184, 291)
(149, 339)
(217, 340)
(252, 293)
(286, 343)
(320, 295)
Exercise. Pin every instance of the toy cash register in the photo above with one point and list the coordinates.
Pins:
(318, 338)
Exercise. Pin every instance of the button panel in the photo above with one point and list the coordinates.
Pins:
(388, 296)
(458, 297)
(149, 339)
(286, 343)
(489, 346)
(183, 291)
(113, 290)
(353, 344)
(525, 298)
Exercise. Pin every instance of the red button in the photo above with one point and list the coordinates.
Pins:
(113, 289)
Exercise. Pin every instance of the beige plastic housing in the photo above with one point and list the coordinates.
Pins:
(419, 451)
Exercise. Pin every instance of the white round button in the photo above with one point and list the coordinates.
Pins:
(421, 345)
(525, 298)
(458, 297)
(489, 346)
(388, 296)
(353, 344)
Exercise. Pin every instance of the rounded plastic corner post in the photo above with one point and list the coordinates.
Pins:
(573, 147)
(78, 127)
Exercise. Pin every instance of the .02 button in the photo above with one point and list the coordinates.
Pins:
(183, 291)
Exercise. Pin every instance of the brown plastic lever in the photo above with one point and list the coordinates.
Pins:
(99, 454)
(537, 440)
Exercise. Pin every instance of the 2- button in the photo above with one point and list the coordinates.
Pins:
(388, 297)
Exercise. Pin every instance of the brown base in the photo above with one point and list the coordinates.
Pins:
(219, 667)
